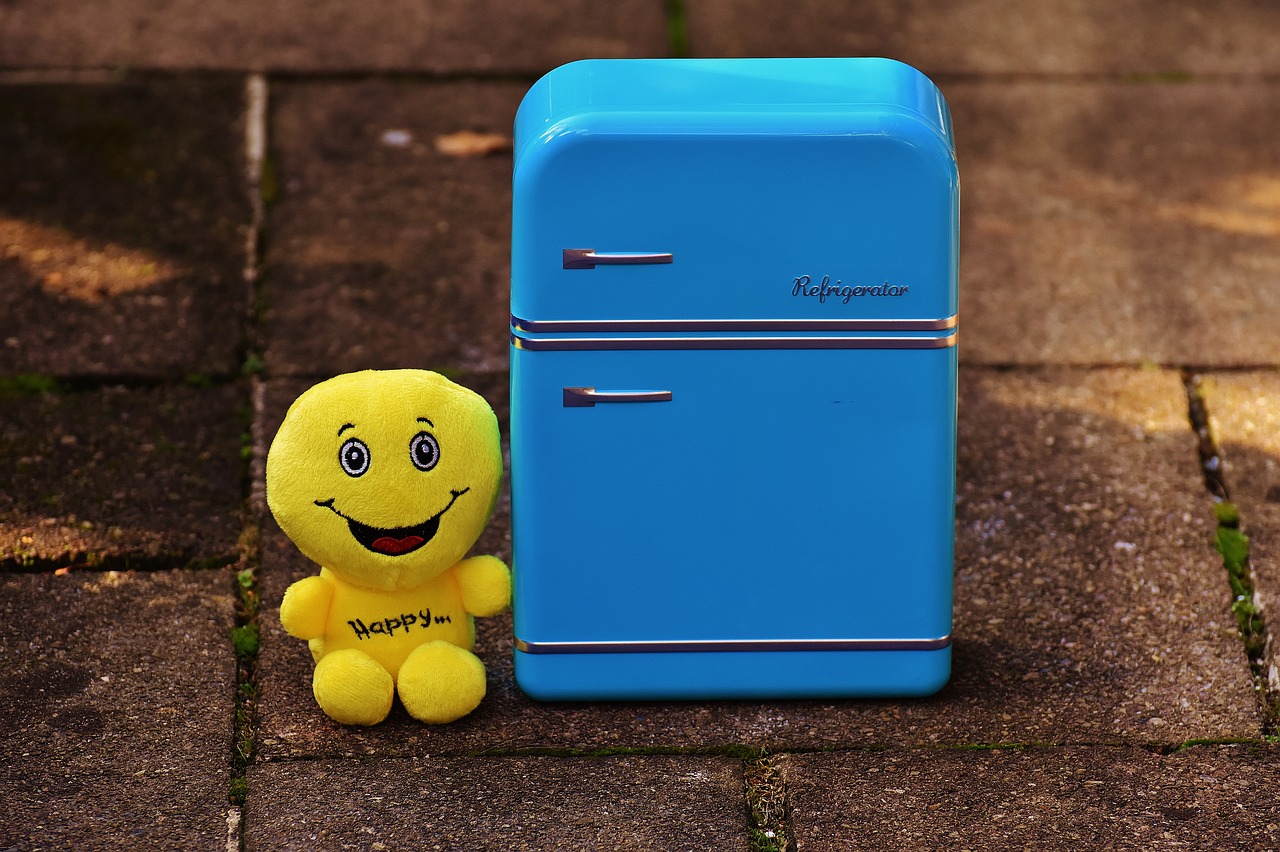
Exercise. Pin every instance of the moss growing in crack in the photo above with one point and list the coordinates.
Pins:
(1233, 544)
(1166, 750)
(269, 183)
(30, 384)
(766, 840)
(766, 804)
(245, 639)
(253, 364)
(677, 29)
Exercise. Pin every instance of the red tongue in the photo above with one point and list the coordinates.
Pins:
(396, 546)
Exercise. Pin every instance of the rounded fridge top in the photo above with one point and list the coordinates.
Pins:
(821, 190)
(725, 94)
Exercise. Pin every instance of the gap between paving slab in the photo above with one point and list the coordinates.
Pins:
(1244, 409)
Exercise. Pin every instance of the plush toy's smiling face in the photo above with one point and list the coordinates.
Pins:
(385, 477)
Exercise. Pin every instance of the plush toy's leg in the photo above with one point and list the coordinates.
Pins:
(353, 688)
(440, 682)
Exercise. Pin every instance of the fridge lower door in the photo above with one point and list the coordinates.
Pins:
(732, 522)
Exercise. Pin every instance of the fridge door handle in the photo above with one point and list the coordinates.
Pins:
(590, 259)
(585, 397)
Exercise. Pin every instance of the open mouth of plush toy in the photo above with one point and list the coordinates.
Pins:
(393, 541)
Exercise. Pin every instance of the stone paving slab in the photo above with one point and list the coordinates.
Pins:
(1208, 797)
(1090, 607)
(1107, 223)
(327, 35)
(1245, 409)
(1084, 548)
(384, 252)
(122, 217)
(628, 802)
(1001, 36)
(145, 476)
(115, 709)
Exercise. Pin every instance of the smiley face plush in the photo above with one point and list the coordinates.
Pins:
(386, 479)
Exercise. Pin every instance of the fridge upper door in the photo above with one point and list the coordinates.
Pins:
(797, 191)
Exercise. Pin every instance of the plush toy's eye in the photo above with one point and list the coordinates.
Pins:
(424, 450)
(354, 457)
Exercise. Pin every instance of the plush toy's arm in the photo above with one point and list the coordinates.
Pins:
(485, 584)
(305, 607)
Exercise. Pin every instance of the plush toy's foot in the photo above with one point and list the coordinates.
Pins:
(440, 682)
(353, 688)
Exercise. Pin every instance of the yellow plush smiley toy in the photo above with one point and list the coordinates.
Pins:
(386, 479)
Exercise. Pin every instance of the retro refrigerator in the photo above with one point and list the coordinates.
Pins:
(733, 380)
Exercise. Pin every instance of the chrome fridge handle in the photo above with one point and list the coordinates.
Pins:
(589, 259)
(584, 397)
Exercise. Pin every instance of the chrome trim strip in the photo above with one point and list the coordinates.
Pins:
(588, 326)
(589, 344)
(700, 646)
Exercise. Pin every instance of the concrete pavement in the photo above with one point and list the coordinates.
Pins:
(204, 210)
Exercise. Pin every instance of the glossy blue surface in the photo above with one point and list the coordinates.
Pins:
(752, 173)
(798, 485)
(639, 677)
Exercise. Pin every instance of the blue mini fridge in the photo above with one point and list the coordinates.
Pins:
(733, 380)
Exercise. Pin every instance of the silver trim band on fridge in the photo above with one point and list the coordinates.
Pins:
(696, 646)
(752, 325)
(589, 344)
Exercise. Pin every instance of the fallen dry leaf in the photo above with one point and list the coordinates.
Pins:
(466, 143)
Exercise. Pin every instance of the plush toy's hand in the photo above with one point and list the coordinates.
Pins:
(485, 583)
(305, 607)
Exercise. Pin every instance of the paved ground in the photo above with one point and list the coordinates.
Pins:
(205, 208)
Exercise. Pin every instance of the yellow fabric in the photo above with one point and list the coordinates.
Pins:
(353, 689)
(440, 682)
(389, 522)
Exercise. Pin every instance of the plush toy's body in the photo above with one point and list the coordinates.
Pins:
(386, 479)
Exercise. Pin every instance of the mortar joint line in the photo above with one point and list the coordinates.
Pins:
(246, 635)
(1233, 545)
(768, 804)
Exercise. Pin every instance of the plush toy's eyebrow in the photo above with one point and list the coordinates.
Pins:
(345, 427)
(426, 421)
